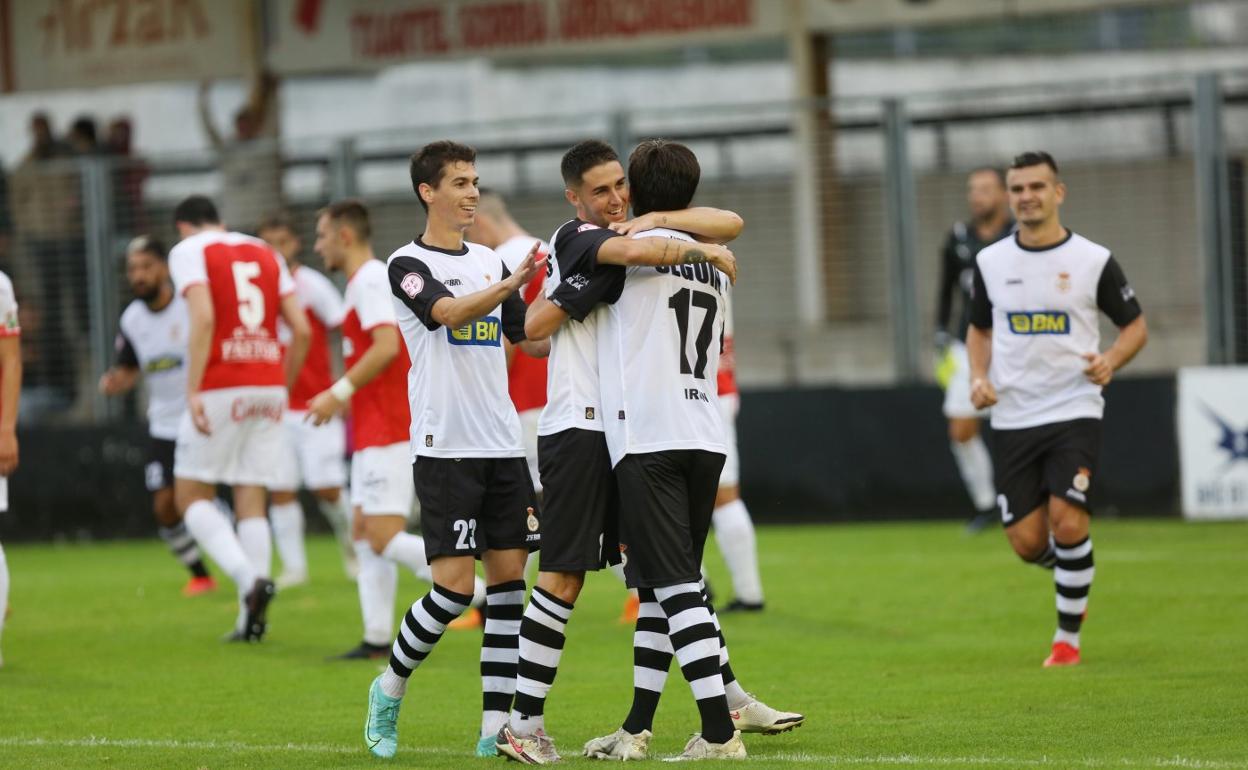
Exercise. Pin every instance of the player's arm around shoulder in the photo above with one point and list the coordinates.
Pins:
(659, 251)
(705, 224)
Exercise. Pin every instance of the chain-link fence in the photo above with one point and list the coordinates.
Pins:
(847, 205)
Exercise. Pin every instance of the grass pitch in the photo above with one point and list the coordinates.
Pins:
(906, 645)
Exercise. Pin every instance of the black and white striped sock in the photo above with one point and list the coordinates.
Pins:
(184, 549)
(541, 645)
(1073, 579)
(736, 694)
(697, 649)
(500, 653)
(422, 627)
(652, 657)
(1048, 558)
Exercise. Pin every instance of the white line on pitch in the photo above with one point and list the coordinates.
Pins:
(1186, 763)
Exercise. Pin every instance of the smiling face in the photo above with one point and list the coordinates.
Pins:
(454, 199)
(602, 196)
(1035, 194)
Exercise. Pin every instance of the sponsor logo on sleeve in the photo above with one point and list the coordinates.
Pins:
(412, 284)
(587, 226)
(1128, 293)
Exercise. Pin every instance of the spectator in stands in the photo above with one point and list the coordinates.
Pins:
(83, 138)
(251, 161)
(129, 174)
(44, 197)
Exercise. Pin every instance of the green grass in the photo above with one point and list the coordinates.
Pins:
(905, 645)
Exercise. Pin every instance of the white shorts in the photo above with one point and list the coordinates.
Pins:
(312, 457)
(728, 406)
(245, 442)
(381, 480)
(958, 392)
(528, 428)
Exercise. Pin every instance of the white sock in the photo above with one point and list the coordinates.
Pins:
(377, 584)
(339, 518)
(208, 525)
(286, 519)
(975, 465)
(257, 543)
(734, 532)
(4, 588)
(409, 550)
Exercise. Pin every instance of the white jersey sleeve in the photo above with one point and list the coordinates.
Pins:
(9, 324)
(186, 264)
(369, 295)
(319, 295)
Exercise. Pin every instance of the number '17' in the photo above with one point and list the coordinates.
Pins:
(680, 303)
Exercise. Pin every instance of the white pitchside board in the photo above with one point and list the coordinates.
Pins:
(1213, 441)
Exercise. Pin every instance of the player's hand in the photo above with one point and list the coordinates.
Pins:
(722, 258)
(1098, 370)
(983, 395)
(199, 416)
(639, 224)
(323, 407)
(8, 452)
(110, 383)
(527, 268)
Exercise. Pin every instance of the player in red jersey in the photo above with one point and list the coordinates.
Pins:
(314, 453)
(375, 387)
(235, 288)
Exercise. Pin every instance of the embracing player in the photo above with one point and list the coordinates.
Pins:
(1035, 358)
(235, 287)
(152, 343)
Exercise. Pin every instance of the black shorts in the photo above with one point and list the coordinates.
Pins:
(580, 502)
(1058, 459)
(474, 504)
(158, 472)
(666, 502)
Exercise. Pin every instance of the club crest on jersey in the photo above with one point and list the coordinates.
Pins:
(412, 284)
(483, 331)
(1039, 322)
(1063, 282)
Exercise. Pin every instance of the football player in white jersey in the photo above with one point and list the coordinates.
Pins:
(990, 221)
(10, 392)
(375, 388)
(313, 456)
(455, 301)
(151, 343)
(1035, 358)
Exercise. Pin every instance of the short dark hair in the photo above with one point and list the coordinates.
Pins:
(428, 164)
(149, 245)
(996, 171)
(277, 220)
(662, 176)
(582, 157)
(1034, 158)
(197, 210)
(349, 212)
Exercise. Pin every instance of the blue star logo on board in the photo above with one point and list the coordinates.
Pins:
(1235, 442)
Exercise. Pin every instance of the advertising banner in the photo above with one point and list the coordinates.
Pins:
(1213, 441)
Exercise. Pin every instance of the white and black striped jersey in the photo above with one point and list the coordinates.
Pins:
(577, 284)
(155, 343)
(1043, 307)
(658, 358)
(457, 386)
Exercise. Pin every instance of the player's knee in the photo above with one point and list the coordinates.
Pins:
(1029, 546)
(378, 540)
(329, 495)
(281, 498)
(1070, 527)
(962, 431)
(565, 586)
(726, 495)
